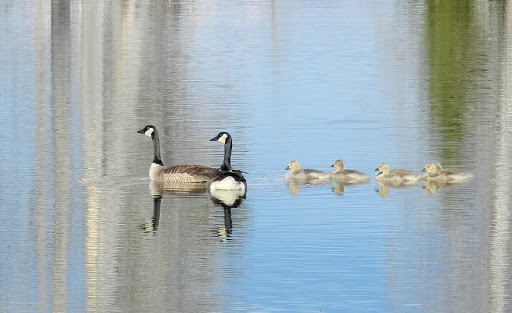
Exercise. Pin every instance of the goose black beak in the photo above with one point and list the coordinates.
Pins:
(141, 131)
(214, 139)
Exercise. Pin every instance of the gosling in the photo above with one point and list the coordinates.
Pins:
(305, 174)
(348, 176)
(435, 172)
(395, 176)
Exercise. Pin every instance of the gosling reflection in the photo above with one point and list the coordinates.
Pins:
(351, 178)
(339, 188)
(432, 187)
(228, 199)
(294, 184)
(386, 186)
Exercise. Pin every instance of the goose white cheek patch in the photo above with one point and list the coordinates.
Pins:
(223, 138)
(149, 132)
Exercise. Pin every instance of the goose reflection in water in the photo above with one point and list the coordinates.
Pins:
(227, 199)
(156, 189)
(294, 184)
(151, 225)
(339, 188)
(432, 187)
(340, 182)
(386, 186)
(178, 188)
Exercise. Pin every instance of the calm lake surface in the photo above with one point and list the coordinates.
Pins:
(404, 82)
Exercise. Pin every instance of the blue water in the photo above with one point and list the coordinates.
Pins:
(367, 82)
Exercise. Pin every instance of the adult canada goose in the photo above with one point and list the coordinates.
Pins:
(298, 173)
(226, 178)
(348, 176)
(174, 174)
(395, 176)
(435, 172)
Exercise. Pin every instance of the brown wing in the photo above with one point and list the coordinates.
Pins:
(450, 171)
(352, 172)
(192, 170)
(310, 171)
(402, 172)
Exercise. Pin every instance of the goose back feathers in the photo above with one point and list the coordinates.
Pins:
(174, 174)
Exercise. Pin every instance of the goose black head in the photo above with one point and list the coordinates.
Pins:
(148, 130)
(222, 137)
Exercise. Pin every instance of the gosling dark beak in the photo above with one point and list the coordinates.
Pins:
(424, 170)
(287, 168)
(376, 169)
(332, 165)
(141, 131)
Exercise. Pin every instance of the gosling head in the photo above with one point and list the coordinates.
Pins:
(221, 137)
(339, 165)
(431, 168)
(293, 165)
(149, 130)
(382, 168)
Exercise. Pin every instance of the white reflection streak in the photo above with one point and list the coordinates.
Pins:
(500, 232)
(89, 36)
(44, 179)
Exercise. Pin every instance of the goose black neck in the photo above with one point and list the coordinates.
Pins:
(226, 165)
(156, 148)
